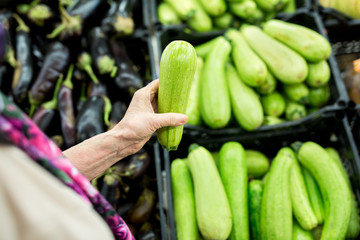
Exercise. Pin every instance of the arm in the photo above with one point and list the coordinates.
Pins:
(94, 155)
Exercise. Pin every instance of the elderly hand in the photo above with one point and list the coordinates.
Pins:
(95, 155)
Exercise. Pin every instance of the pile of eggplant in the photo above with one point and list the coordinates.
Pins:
(73, 67)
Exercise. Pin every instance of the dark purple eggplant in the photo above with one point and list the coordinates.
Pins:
(117, 113)
(135, 166)
(111, 188)
(6, 3)
(23, 72)
(143, 208)
(2, 41)
(147, 232)
(82, 99)
(45, 114)
(66, 110)
(93, 117)
(6, 47)
(100, 52)
(127, 78)
(118, 20)
(5, 78)
(84, 63)
(56, 61)
(97, 89)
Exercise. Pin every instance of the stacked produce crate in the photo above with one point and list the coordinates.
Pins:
(334, 125)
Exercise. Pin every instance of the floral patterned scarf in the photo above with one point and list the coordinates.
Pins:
(20, 130)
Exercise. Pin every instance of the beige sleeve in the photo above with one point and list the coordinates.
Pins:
(34, 205)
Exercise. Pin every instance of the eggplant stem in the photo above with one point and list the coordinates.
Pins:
(113, 72)
(64, 13)
(91, 73)
(56, 31)
(22, 26)
(107, 110)
(32, 110)
(25, 8)
(67, 82)
(52, 104)
(10, 57)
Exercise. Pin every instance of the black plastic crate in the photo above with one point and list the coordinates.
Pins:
(339, 100)
(328, 131)
(333, 17)
(301, 5)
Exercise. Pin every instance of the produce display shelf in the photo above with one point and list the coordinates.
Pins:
(332, 130)
(301, 5)
(338, 102)
(333, 17)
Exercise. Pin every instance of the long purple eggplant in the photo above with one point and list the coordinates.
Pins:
(100, 52)
(135, 166)
(93, 117)
(45, 114)
(143, 208)
(56, 61)
(66, 110)
(117, 113)
(119, 19)
(6, 47)
(127, 78)
(24, 72)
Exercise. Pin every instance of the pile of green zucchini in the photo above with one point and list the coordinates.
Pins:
(256, 76)
(204, 15)
(305, 193)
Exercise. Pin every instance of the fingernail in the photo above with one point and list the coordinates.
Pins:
(182, 121)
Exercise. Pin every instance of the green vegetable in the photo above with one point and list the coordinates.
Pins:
(224, 21)
(167, 14)
(285, 64)
(307, 42)
(184, 201)
(300, 234)
(294, 110)
(233, 172)
(202, 50)
(319, 74)
(319, 96)
(249, 116)
(213, 211)
(274, 104)
(214, 7)
(270, 120)
(257, 163)
(184, 9)
(271, 5)
(298, 92)
(302, 208)
(177, 70)
(193, 106)
(251, 69)
(247, 10)
(200, 20)
(276, 213)
(314, 195)
(256, 189)
(268, 86)
(354, 225)
(290, 7)
(215, 105)
(333, 187)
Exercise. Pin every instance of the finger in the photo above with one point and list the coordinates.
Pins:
(170, 119)
(153, 86)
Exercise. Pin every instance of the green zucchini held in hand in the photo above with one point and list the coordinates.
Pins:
(177, 70)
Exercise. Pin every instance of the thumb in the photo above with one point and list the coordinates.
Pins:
(170, 119)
